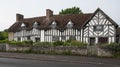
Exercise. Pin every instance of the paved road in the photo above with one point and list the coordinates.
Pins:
(9, 62)
(42, 60)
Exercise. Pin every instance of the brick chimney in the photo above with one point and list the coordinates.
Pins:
(49, 13)
(19, 17)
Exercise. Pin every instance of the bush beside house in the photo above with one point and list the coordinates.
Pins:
(113, 47)
(69, 47)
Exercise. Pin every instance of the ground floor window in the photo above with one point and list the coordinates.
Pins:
(18, 39)
(55, 38)
(102, 40)
(63, 38)
(28, 37)
(72, 38)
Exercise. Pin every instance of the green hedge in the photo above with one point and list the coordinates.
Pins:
(43, 44)
(78, 43)
(56, 43)
(4, 41)
(113, 47)
(61, 43)
(21, 43)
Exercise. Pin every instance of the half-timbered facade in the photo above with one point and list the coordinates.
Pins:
(99, 29)
(92, 28)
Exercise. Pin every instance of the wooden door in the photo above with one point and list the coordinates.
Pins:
(92, 41)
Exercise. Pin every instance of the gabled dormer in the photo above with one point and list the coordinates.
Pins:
(23, 26)
(35, 24)
(70, 24)
(54, 24)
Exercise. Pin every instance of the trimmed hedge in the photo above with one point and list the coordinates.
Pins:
(4, 41)
(43, 44)
(113, 47)
(61, 43)
(21, 43)
(58, 43)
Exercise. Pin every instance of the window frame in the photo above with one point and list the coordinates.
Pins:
(55, 38)
(97, 28)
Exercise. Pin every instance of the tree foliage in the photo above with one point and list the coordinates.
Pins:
(3, 35)
(73, 10)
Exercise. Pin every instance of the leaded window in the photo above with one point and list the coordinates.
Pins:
(55, 38)
(70, 24)
(28, 37)
(98, 28)
(35, 25)
(18, 39)
(72, 38)
(23, 26)
(63, 38)
(53, 25)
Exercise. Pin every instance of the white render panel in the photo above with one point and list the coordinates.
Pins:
(42, 35)
(81, 35)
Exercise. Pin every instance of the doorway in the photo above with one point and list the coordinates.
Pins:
(37, 39)
(102, 40)
(92, 40)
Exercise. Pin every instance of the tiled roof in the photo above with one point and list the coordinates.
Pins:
(44, 23)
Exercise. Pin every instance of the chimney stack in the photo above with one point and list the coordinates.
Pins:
(19, 17)
(49, 13)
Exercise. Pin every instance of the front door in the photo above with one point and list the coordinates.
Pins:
(92, 40)
(37, 39)
(102, 40)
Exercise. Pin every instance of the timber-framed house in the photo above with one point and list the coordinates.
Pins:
(91, 28)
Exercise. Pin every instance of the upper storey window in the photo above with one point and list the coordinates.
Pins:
(54, 24)
(35, 25)
(70, 24)
(98, 28)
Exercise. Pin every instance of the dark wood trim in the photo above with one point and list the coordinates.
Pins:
(88, 34)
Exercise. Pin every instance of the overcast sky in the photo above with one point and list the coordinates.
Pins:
(34, 8)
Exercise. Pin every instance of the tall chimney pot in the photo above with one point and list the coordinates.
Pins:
(49, 13)
(19, 17)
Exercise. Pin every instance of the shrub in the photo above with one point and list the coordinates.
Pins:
(78, 43)
(67, 43)
(29, 42)
(58, 43)
(43, 43)
(15, 43)
(67, 52)
(114, 47)
(4, 41)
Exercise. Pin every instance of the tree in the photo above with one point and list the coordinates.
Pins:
(73, 10)
(3, 35)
